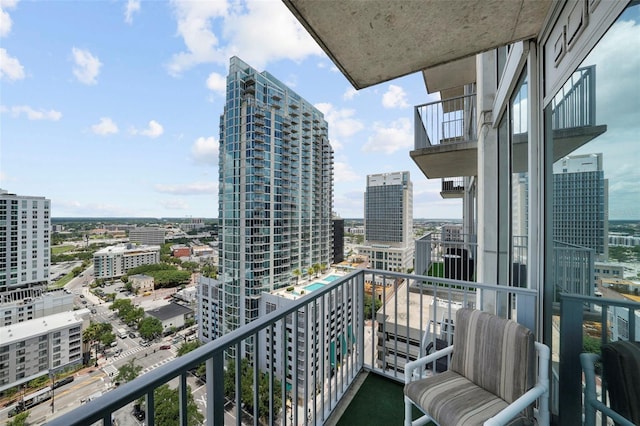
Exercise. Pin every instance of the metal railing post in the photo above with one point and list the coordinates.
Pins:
(570, 386)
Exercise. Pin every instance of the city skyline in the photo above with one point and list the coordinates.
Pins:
(126, 125)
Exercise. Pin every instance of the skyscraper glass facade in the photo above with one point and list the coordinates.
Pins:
(275, 190)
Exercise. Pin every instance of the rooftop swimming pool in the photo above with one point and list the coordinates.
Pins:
(314, 286)
(330, 278)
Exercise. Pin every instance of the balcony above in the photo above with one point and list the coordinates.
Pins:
(376, 41)
(452, 188)
(445, 138)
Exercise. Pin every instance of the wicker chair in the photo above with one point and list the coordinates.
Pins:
(490, 377)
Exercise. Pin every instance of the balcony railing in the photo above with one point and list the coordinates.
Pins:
(333, 351)
(606, 320)
(574, 270)
(446, 121)
(574, 105)
(447, 255)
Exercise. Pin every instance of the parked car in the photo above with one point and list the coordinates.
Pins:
(145, 343)
(132, 335)
(165, 347)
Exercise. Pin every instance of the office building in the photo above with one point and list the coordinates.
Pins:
(115, 261)
(146, 235)
(581, 208)
(275, 190)
(35, 347)
(388, 222)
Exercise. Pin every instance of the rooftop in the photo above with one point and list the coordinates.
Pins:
(38, 326)
(168, 311)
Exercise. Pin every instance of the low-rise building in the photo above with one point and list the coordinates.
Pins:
(180, 250)
(608, 271)
(171, 315)
(34, 304)
(141, 283)
(32, 348)
(115, 261)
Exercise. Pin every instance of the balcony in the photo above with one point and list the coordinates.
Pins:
(446, 132)
(446, 138)
(340, 352)
(452, 188)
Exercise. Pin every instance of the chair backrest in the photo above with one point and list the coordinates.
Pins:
(496, 354)
(621, 370)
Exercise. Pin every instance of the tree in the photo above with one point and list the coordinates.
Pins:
(316, 269)
(297, 272)
(210, 271)
(19, 420)
(187, 347)
(310, 270)
(167, 409)
(246, 388)
(128, 371)
(368, 301)
(323, 267)
(98, 332)
(150, 328)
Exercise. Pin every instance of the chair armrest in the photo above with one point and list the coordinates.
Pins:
(413, 365)
(517, 406)
(591, 401)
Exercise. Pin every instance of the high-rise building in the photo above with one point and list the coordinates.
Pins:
(275, 190)
(388, 221)
(581, 199)
(24, 245)
(116, 261)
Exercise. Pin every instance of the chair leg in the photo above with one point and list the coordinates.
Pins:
(407, 411)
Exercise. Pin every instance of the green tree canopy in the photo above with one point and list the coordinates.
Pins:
(128, 371)
(368, 301)
(246, 388)
(187, 347)
(19, 420)
(167, 411)
(150, 328)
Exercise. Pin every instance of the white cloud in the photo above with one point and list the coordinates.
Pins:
(87, 67)
(76, 208)
(196, 188)
(131, 7)
(205, 150)
(343, 173)
(341, 121)
(106, 126)
(395, 97)
(349, 94)
(10, 67)
(389, 139)
(260, 31)
(33, 114)
(217, 83)
(175, 204)
(5, 19)
(154, 130)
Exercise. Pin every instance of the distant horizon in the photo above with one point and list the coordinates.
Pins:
(111, 218)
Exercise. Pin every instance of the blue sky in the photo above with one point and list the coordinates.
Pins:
(111, 108)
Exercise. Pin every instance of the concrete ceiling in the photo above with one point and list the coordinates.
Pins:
(372, 41)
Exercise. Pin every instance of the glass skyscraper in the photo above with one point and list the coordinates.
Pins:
(275, 190)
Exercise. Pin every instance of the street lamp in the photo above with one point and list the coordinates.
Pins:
(52, 376)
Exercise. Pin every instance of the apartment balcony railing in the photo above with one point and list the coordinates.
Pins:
(452, 187)
(333, 353)
(446, 255)
(584, 317)
(446, 121)
(573, 268)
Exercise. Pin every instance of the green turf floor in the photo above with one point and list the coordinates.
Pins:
(379, 401)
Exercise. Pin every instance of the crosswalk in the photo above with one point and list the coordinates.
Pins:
(158, 364)
(112, 370)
